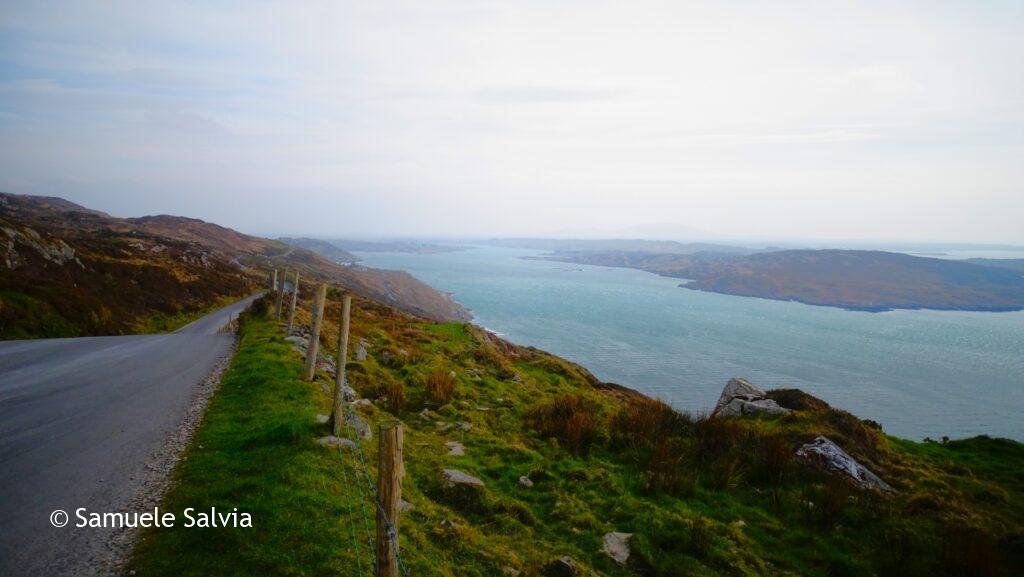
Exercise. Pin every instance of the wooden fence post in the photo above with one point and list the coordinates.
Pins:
(314, 337)
(291, 310)
(338, 415)
(280, 295)
(273, 281)
(389, 488)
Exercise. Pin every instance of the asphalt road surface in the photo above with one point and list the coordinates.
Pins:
(79, 421)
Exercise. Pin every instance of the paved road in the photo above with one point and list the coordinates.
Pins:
(79, 420)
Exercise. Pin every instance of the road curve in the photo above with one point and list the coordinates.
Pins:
(79, 420)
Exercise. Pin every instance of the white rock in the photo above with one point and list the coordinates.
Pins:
(360, 353)
(837, 460)
(739, 398)
(616, 545)
(455, 449)
(454, 477)
(525, 481)
(322, 419)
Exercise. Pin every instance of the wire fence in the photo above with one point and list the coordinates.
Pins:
(367, 491)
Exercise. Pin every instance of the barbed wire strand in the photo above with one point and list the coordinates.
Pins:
(376, 497)
(352, 520)
(370, 540)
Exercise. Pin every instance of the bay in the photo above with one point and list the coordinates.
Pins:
(918, 373)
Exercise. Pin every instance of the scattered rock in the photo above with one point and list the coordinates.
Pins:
(361, 353)
(833, 458)
(562, 567)
(444, 427)
(326, 388)
(456, 478)
(516, 378)
(322, 419)
(465, 427)
(405, 506)
(510, 571)
(425, 414)
(359, 403)
(332, 441)
(300, 344)
(616, 545)
(739, 397)
(360, 426)
(349, 393)
(455, 449)
(525, 481)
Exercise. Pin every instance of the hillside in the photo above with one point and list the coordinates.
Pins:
(321, 247)
(66, 270)
(851, 279)
(564, 462)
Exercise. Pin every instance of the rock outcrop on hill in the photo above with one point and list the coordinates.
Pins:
(739, 397)
(833, 458)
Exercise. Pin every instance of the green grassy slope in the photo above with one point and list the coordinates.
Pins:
(702, 497)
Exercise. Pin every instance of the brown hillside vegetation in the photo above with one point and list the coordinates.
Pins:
(66, 270)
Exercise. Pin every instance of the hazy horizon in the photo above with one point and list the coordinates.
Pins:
(872, 122)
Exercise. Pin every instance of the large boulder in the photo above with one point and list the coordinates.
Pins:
(740, 397)
(823, 452)
(616, 545)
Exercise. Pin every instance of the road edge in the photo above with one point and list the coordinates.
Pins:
(159, 467)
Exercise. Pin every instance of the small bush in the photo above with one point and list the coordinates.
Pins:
(666, 468)
(571, 419)
(439, 386)
(643, 421)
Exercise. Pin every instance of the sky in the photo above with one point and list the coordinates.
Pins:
(828, 120)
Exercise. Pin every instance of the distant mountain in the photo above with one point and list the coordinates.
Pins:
(66, 270)
(410, 246)
(623, 244)
(1016, 264)
(326, 249)
(851, 279)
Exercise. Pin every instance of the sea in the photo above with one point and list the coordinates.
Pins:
(919, 373)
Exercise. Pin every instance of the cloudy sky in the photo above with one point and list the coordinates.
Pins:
(876, 120)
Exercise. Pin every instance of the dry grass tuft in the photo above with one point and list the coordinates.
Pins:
(439, 386)
(572, 419)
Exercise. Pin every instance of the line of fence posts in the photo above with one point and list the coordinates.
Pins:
(314, 337)
(338, 410)
(279, 297)
(291, 309)
(390, 467)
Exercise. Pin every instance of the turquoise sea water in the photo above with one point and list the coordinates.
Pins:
(919, 373)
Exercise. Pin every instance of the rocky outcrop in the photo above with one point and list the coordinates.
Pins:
(739, 398)
(830, 456)
(616, 545)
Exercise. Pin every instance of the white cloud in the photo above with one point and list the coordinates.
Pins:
(789, 119)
